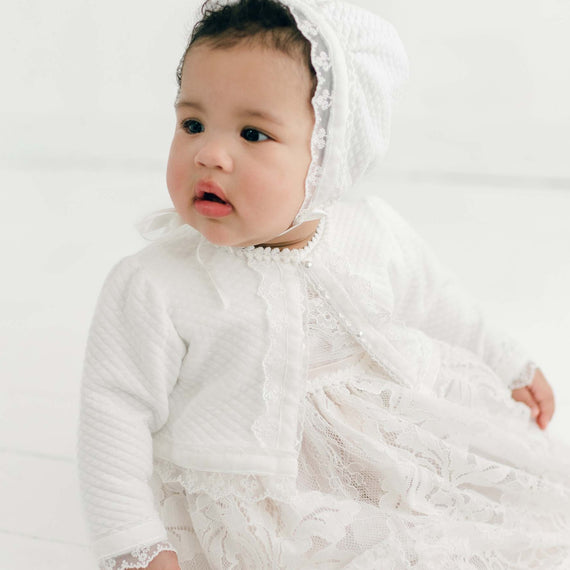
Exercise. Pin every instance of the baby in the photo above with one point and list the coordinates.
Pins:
(286, 381)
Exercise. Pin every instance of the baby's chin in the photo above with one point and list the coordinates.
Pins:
(225, 239)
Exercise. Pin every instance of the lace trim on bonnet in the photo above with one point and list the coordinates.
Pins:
(322, 104)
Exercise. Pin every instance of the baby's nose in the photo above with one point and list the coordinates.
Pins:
(214, 154)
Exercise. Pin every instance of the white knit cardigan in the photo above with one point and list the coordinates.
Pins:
(197, 354)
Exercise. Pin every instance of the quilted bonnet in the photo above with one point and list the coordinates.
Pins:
(361, 65)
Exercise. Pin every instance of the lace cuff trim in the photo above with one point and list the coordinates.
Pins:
(525, 377)
(140, 557)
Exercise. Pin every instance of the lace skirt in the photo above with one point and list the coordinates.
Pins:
(453, 476)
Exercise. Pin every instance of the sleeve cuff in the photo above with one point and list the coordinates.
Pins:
(125, 541)
(140, 557)
(524, 377)
(511, 363)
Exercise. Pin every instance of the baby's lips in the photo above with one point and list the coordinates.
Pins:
(209, 187)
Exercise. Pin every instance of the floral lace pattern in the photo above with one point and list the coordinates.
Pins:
(391, 478)
(140, 557)
(329, 341)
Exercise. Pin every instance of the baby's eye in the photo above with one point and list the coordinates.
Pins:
(192, 126)
(253, 135)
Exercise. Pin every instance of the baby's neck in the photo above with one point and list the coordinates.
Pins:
(295, 239)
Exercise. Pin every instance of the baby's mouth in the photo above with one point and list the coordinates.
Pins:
(209, 191)
(210, 197)
(210, 200)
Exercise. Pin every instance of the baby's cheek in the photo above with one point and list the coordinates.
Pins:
(176, 174)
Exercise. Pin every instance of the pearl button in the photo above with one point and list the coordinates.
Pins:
(308, 264)
(359, 334)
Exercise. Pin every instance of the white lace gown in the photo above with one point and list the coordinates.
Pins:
(451, 476)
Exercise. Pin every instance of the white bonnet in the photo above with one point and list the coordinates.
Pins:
(361, 64)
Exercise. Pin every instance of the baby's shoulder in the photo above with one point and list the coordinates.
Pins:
(164, 261)
(176, 247)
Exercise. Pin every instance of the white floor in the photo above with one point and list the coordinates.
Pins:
(61, 232)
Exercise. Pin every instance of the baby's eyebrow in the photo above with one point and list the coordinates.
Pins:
(182, 103)
(264, 115)
(245, 113)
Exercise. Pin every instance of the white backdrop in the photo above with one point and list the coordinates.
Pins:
(488, 96)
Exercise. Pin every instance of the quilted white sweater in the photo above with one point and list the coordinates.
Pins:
(197, 354)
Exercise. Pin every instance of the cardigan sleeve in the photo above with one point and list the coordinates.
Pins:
(132, 362)
(431, 298)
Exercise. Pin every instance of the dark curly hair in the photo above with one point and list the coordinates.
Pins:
(265, 22)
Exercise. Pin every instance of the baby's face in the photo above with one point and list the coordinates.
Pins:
(241, 149)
